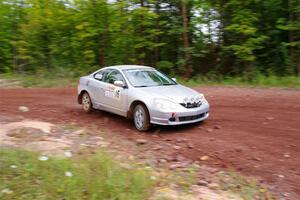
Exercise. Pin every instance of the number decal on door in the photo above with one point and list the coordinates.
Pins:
(113, 92)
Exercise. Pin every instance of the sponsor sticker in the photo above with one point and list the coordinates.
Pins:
(112, 92)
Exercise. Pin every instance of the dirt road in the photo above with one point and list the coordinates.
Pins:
(253, 131)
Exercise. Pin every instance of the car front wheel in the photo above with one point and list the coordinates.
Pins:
(141, 118)
(86, 102)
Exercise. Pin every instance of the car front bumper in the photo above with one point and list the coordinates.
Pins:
(184, 116)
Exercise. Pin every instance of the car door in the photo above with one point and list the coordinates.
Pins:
(114, 96)
(97, 87)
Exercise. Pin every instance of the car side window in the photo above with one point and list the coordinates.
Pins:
(113, 76)
(101, 74)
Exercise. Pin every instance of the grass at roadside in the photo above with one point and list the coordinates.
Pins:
(247, 188)
(42, 80)
(24, 176)
(65, 79)
(259, 81)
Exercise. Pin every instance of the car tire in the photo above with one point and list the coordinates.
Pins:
(86, 102)
(141, 118)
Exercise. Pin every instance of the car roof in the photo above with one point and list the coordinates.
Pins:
(121, 67)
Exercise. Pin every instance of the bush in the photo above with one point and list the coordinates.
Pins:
(24, 176)
(165, 66)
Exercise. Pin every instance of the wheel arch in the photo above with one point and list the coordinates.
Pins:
(79, 98)
(132, 106)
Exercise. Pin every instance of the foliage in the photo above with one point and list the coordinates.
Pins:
(229, 37)
(24, 176)
(165, 66)
(243, 30)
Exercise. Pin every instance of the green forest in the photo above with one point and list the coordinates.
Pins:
(181, 37)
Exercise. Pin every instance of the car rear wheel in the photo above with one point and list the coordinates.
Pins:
(141, 118)
(86, 102)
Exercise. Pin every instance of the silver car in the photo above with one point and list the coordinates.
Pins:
(142, 93)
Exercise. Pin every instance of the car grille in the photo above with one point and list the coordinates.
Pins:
(191, 105)
(190, 118)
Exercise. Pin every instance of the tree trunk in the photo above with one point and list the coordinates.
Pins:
(185, 37)
(291, 38)
(14, 48)
(298, 52)
(157, 38)
(100, 40)
(298, 65)
(141, 51)
(142, 3)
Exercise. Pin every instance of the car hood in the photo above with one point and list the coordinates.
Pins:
(175, 93)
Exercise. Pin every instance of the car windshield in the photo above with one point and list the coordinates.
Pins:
(147, 78)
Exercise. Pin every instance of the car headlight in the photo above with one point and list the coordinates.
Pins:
(201, 98)
(166, 105)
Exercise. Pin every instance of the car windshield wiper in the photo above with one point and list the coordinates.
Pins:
(142, 86)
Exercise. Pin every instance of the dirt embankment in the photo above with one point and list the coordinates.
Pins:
(254, 131)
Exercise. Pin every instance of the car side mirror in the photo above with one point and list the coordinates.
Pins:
(174, 79)
(98, 77)
(119, 83)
